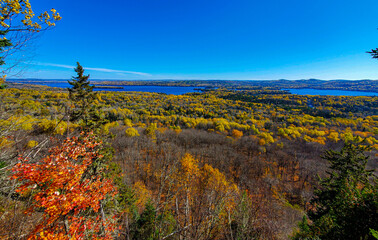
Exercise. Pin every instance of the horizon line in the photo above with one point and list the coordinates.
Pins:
(170, 79)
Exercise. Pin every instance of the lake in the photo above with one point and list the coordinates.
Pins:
(310, 91)
(182, 90)
(117, 88)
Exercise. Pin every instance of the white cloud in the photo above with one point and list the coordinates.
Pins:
(93, 69)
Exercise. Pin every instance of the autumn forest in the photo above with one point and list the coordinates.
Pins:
(236, 160)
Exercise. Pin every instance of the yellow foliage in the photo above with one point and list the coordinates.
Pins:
(265, 138)
(347, 136)
(189, 167)
(131, 132)
(5, 142)
(61, 128)
(11, 9)
(105, 128)
(150, 130)
(177, 131)
(2, 79)
(202, 187)
(142, 194)
(46, 125)
(334, 136)
(127, 122)
(31, 144)
(162, 129)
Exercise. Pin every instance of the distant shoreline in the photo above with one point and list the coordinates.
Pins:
(107, 87)
(342, 85)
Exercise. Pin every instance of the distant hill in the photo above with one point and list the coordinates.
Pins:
(339, 84)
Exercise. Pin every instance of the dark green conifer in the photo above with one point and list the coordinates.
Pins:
(346, 204)
(81, 94)
(374, 53)
(85, 111)
(144, 227)
(4, 43)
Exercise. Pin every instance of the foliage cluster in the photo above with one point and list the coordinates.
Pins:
(62, 185)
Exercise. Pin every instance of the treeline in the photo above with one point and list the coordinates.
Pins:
(349, 85)
(356, 85)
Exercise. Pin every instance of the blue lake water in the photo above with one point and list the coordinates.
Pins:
(309, 91)
(133, 88)
(183, 90)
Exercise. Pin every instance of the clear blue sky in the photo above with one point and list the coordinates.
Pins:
(206, 39)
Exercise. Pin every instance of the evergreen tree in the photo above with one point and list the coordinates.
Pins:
(374, 53)
(346, 204)
(4, 43)
(81, 93)
(85, 111)
(144, 227)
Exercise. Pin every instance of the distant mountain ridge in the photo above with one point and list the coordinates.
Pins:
(339, 84)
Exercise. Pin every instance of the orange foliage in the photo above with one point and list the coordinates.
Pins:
(237, 133)
(61, 188)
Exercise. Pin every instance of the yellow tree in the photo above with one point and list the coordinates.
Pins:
(18, 24)
(203, 200)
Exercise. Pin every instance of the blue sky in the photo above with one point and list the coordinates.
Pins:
(206, 39)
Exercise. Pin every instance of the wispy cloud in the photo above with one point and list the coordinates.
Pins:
(91, 68)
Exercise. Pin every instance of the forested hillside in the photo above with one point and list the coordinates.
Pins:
(215, 165)
(237, 160)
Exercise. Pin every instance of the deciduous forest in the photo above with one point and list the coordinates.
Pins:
(247, 161)
(221, 164)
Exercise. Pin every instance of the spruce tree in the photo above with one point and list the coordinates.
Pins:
(85, 111)
(345, 205)
(144, 227)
